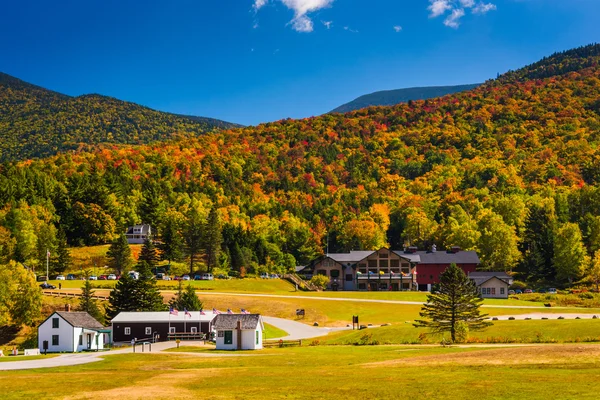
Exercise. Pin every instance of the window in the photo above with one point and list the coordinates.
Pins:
(54, 323)
(127, 330)
(81, 340)
(148, 330)
(228, 337)
(171, 329)
(220, 334)
(383, 264)
(193, 329)
(501, 290)
(54, 340)
(383, 255)
(335, 273)
(493, 290)
(256, 337)
(349, 278)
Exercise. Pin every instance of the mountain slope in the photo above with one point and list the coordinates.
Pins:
(393, 97)
(491, 169)
(35, 122)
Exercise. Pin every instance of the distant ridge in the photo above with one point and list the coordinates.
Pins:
(393, 97)
(37, 122)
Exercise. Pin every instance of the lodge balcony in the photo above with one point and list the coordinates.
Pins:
(382, 277)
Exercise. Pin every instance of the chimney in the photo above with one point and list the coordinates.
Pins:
(67, 307)
(239, 334)
(412, 249)
(454, 249)
(433, 248)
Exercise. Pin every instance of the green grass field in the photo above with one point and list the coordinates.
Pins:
(24, 358)
(338, 372)
(273, 332)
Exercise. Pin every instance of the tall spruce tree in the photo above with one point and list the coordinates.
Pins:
(212, 239)
(62, 260)
(149, 254)
(87, 302)
(122, 297)
(538, 245)
(457, 302)
(171, 245)
(193, 233)
(186, 300)
(119, 254)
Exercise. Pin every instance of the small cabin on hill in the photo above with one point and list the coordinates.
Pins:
(138, 234)
(239, 331)
(492, 285)
(70, 332)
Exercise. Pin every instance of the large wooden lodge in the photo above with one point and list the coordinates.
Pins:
(385, 269)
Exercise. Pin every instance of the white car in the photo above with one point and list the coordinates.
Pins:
(60, 278)
(111, 277)
(207, 277)
(93, 278)
(185, 278)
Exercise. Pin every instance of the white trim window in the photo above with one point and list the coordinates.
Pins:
(171, 329)
(148, 330)
(127, 330)
(194, 329)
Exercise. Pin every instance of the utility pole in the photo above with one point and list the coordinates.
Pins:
(47, 263)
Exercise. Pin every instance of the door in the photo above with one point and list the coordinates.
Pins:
(89, 341)
(228, 337)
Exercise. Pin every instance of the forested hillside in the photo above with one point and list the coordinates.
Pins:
(35, 122)
(510, 169)
(393, 97)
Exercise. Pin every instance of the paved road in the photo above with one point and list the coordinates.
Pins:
(298, 330)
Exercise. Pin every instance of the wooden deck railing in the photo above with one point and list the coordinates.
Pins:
(282, 343)
(70, 294)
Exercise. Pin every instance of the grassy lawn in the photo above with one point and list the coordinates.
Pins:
(272, 332)
(533, 331)
(338, 372)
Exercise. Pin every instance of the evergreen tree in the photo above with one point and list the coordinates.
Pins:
(148, 297)
(62, 260)
(212, 239)
(194, 228)
(87, 303)
(119, 255)
(456, 302)
(171, 245)
(152, 207)
(149, 254)
(186, 300)
(538, 245)
(237, 257)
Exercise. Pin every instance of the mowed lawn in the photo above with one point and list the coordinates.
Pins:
(332, 372)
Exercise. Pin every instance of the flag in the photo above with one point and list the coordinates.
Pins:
(358, 273)
(173, 311)
(392, 273)
(229, 311)
(202, 312)
(187, 313)
(244, 311)
(215, 311)
(47, 252)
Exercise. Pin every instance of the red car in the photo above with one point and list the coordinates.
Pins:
(103, 277)
(528, 291)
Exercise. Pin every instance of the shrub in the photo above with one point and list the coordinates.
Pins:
(518, 285)
(320, 281)
(367, 340)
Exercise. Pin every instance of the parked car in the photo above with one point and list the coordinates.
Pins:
(134, 275)
(542, 291)
(528, 291)
(221, 276)
(185, 278)
(197, 277)
(511, 292)
(46, 285)
(274, 276)
(60, 277)
(207, 277)
(264, 275)
(103, 277)
(552, 290)
(42, 278)
(70, 277)
(518, 291)
(111, 277)
(176, 278)
(93, 278)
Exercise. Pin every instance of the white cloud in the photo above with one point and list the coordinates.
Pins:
(457, 10)
(453, 20)
(327, 24)
(438, 7)
(347, 28)
(301, 21)
(398, 28)
(483, 8)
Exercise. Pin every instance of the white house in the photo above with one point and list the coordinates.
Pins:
(138, 234)
(492, 285)
(239, 331)
(70, 332)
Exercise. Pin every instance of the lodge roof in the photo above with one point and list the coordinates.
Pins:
(230, 321)
(80, 319)
(144, 229)
(482, 277)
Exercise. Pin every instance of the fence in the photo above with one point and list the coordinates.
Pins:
(282, 343)
(302, 284)
(69, 294)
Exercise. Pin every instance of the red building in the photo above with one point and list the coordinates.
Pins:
(433, 263)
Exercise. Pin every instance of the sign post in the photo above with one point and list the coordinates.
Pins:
(355, 321)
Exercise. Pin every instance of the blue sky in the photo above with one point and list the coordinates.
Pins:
(252, 61)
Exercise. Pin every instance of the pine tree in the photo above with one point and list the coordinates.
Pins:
(194, 228)
(119, 254)
(171, 245)
(149, 254)
(212, 239)
(148, 297)
(456, 302)
(62, 260)
(87, 303)
(122, 297)
(538, 245)
(237, 257)
(190, 300)
(151, 209)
